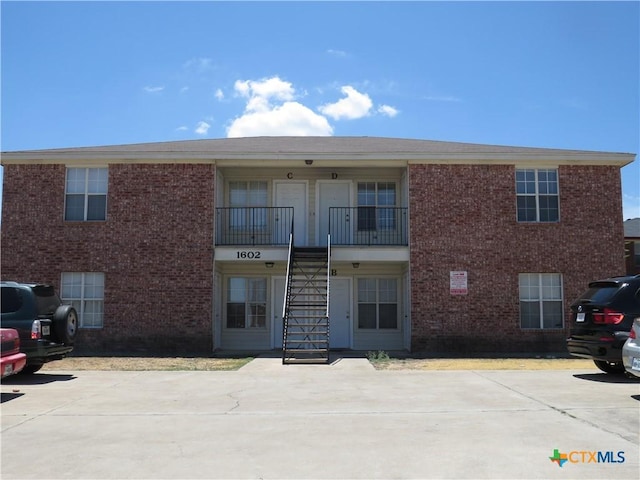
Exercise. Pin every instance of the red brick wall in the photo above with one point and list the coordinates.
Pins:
(464, 218)
(156, 250)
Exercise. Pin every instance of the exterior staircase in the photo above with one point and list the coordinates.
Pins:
(306, 306)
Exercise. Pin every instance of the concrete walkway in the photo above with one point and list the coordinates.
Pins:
(339, 421)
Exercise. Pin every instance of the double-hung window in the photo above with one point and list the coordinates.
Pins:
(85, 291)
(377, 303)
(246, 302)
(537, 195)
(376, 206)
(540, 300)
(86, 194)
(248, 200)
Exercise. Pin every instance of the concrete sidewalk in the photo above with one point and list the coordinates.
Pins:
(340, 421)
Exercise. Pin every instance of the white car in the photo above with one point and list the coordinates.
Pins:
(631, 350)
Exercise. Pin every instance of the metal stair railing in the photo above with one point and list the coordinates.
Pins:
(287, 295)
(306, 314)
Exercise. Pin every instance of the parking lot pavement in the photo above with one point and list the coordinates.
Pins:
(339, 421)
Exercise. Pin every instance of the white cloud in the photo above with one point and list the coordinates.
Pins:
(290, 118)
(182, 128)
(199, 64)
(354, 105)
(149, 89)
(184, 89)
(260, 93)
(202, 128)
(337, 53)
(388, 110)
(272, 111)
(219, 95)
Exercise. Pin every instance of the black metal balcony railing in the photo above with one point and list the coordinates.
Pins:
(253, 225)
(368, 225)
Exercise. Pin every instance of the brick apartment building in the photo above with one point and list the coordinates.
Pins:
(632, 245)
(184, 247)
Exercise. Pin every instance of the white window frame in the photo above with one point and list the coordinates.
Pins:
(539, 292)
(254, 215)
(381, 223)
(247, 304)
(378, 302)
(537, 194)
(84, 289)
(86, 192)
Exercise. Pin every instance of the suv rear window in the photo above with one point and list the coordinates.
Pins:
(11, 300)
(600, 293)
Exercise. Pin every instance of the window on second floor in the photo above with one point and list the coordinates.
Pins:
(376, 206)
(537, 195)
(248, 200)
(86, 194)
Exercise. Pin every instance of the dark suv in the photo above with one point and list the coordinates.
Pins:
(47, 328)
(601, 320)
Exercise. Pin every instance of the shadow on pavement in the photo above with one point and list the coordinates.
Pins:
(6, 397)
(605, 378)
(37, 379)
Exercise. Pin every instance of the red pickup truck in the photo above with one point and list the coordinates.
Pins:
(12, 360)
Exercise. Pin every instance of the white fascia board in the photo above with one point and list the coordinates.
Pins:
(537, 159)
(69, 157)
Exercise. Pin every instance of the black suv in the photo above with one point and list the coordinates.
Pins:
(47, 328)
(601, 320)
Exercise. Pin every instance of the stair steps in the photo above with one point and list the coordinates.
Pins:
(306, 324)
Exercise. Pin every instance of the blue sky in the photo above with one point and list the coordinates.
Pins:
(540, 74)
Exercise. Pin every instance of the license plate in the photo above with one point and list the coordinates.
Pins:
(46, 330)
(635, 363)
(8, 369)
(580, 317)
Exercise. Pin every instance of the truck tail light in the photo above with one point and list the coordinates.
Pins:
(608, 317)
(632, 333)
(36, 330)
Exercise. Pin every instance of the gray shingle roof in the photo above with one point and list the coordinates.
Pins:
(316, 148)
(312, 145)
(632, 228)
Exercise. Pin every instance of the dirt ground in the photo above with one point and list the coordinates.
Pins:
(146, 363)
(485, 364)
(201, 363)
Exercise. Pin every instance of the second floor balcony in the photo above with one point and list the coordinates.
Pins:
(348, 226)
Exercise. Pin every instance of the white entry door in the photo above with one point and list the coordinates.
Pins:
(333, 194)
(292, 194)
(340, 326)
(340, 313)
(278, 303)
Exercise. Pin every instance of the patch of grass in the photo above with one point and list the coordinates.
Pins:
(147, 364)
(377, 357)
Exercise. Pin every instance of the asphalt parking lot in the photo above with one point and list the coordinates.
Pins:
(339, 421)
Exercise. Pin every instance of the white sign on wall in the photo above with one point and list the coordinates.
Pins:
(458, 283)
